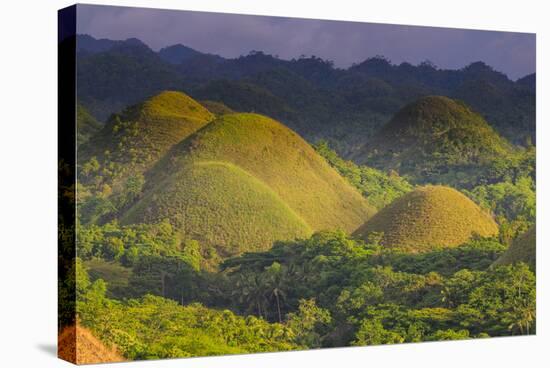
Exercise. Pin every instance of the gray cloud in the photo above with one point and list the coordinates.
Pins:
(232, 35)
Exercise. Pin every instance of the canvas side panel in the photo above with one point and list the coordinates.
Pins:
(66, 66)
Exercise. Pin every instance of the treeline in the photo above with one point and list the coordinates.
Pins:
(379, 188)
(507, 190)
(328, 290)
(308, 94)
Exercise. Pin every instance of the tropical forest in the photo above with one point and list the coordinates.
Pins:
(260, 204)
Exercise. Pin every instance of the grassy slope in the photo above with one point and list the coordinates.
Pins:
(218, 203)
(132, 141)
(522, 249)
(427, 217)
(281, 159)
(434, 134)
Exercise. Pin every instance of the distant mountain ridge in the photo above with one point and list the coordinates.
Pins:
(177, 54)
(344, 106)
(529, 81)
(91, 45)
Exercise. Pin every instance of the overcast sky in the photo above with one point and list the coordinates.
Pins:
(344, 43)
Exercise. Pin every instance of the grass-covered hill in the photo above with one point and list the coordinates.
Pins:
(200, 214)
(429, 217)
(218, 203)
(136, 138)
(522, 249)
(248, 166)
(435, 139)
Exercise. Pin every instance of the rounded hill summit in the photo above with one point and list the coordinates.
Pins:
(427, 218)
(248, 180)
(434, 138)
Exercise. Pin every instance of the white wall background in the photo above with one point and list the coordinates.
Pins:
(28, 180)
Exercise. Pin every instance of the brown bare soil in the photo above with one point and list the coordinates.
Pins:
(78, 345)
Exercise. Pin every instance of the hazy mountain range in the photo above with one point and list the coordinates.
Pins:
(310, 95)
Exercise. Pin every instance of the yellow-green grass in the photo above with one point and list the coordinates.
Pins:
(427, 218)
(116, 275)
(220, 204)
(275, 156)
(132, 141)
(522, 249)
(175, 105)
(216, 108)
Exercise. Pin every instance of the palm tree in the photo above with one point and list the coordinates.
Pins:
(249, 290)
(523, 310)
(524, 317)
(278, 294)
(275, 280)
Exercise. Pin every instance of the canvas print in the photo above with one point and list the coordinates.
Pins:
(234, 184)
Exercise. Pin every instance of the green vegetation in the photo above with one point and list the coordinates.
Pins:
(128, 244)
(146, 259)
(128, 73)
(142, 133)
(113, 273)
(427, 217)
(508, 200)
(510, 107)
(522, 249)
(245, 97)
(272, 154)
(477, 254)
(308, 94)
(367, 297)
(113, 162)
(86, 124)
(513, 203)
(160, 328)
(203, 231)
(328, 290)
(220, 204)
(379, 189)
(437, 140)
